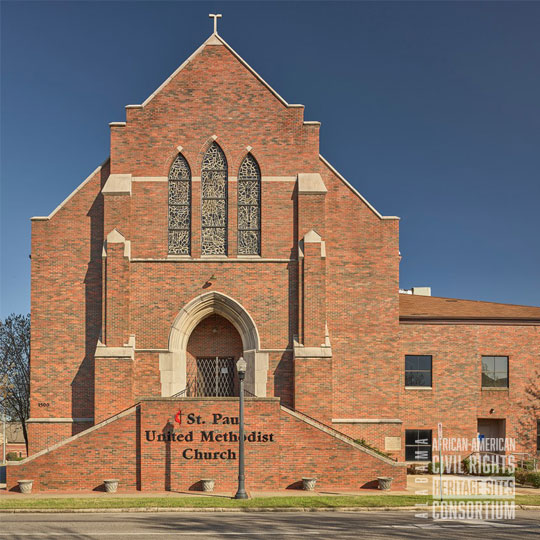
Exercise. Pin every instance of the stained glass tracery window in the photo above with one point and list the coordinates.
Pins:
(249, 207)
(180, 207)
(214, 202)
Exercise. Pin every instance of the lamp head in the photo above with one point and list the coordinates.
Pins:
(241, 365)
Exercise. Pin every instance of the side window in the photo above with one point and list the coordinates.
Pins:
(249, 207)
(494, 371)
(418, 444)
(214, 202)
(180, 207)
(418, 370)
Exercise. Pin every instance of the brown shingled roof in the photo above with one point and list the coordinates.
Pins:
(415, 307)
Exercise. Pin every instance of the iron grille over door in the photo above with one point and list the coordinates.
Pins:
(215, 377)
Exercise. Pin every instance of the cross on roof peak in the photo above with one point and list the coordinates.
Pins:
(215, 16)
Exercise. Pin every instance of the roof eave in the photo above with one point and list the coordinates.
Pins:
(501, 321)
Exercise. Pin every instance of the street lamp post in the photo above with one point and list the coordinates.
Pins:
(241, 366)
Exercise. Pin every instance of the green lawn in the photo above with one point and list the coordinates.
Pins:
(371, 501)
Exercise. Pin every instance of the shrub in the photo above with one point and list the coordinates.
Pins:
(362, 442)
(13, 456)
(534, 478)
(520, 476)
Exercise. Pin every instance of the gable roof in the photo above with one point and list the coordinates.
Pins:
(216, 39)
(415, 308)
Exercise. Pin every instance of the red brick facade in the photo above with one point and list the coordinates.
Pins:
(146, 448)
(116, 318)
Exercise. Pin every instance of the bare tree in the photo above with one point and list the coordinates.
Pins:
(15, 369)
(530, 406)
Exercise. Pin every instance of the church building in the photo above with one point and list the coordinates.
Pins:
(217, 230)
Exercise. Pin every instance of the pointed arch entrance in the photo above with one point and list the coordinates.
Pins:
(213, 349)
(173, 364)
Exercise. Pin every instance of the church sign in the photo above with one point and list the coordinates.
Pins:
(211, 435)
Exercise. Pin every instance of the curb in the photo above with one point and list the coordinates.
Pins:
(195, 509)
(229, 510)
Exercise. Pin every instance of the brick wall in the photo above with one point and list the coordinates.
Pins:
(114, 386)
(164, 466)
(83, 463)
(457, 397)
(374, 434)
(66, 310)
(280, 449)
(214, 95)
(309, 451)
(78, 296)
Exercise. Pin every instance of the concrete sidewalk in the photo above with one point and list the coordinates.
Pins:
(415, 483)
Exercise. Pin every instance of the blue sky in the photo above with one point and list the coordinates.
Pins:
(430, 109)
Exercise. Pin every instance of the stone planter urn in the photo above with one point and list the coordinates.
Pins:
(208, 484)
(25, 486)
(111, 485)
(385, 482)
(308, 484)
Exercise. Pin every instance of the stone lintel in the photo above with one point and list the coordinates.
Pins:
(117, 184)
(311, 184)
(367, 421)
(312, 352)
(58, 420)
(115, 237)
(312, 237)
(127, 351)
(115, 352)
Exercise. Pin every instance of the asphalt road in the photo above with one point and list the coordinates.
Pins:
(372, 525)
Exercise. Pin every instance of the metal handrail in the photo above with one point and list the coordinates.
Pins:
(187, 393)
(522, 459)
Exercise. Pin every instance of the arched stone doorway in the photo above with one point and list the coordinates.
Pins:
(173, 364)
(213, 349)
